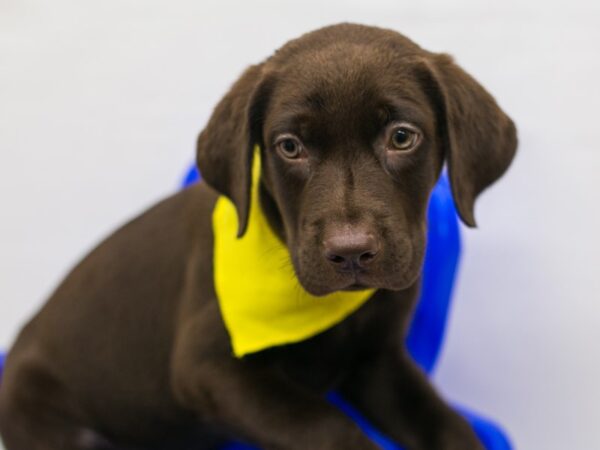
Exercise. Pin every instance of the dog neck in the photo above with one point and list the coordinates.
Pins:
(261, 300)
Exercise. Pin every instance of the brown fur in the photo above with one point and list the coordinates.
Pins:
(131, 350)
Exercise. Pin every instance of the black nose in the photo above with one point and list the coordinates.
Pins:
(349, 250)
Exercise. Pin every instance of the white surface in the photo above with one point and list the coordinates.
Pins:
(100, 104)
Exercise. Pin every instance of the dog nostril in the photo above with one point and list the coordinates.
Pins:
(336, 259)
(367, 257)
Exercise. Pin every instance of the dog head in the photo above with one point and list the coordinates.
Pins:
(354, 124)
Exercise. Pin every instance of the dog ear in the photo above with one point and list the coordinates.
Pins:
(479, 139)
(224, 148)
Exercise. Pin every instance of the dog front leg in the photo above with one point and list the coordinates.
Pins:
(254, 401)
(394, 394)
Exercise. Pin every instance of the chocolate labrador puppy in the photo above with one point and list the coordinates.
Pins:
(353, 126)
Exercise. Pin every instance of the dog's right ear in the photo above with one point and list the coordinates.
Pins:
(225, 146)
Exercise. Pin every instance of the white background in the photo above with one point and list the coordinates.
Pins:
(101, 102)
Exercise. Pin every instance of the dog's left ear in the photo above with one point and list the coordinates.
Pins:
(224, 148)
(480, 140)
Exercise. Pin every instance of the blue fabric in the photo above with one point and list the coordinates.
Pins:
(192, 176)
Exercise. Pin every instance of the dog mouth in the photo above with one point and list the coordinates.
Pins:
(351, 284)
(356, 285)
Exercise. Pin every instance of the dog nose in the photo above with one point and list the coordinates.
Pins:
(350, 250)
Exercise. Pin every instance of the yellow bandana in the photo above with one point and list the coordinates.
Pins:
(262, 302)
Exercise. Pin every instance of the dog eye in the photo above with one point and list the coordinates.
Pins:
(404, 138)
(290, 148)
